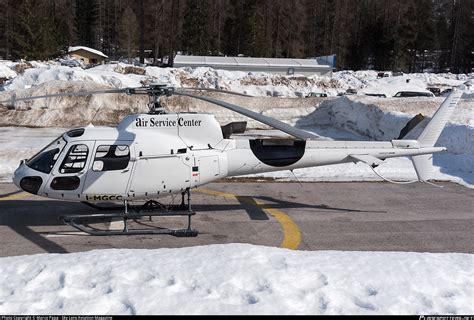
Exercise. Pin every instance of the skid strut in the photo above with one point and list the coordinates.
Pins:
(151, 208)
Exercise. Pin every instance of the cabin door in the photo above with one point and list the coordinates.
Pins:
(109, 172)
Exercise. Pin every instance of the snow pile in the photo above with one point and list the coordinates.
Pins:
(108, 109)
(68, 111)
(6, 72)
(391, 85)
(366, 82)
(105, 77)
(237, 279)
(256, 84)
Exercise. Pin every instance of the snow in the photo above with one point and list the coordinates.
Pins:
(391, 85)
(101, 75)
(6, 72)
(237, 279)
(256, 84)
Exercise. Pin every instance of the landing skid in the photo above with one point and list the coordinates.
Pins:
(150, 209)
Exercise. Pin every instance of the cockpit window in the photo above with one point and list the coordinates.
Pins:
(114, 157)
(45, 160)
(75, 159)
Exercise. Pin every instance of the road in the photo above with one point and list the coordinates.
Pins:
(308, 216)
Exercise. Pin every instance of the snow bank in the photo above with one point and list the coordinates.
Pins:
(256, 84)
(99, 109)
(237, 279)
(6, 72)
(108, 109)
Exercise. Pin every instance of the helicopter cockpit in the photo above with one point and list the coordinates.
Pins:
(78, 164)
(32, 172)
(45, 159)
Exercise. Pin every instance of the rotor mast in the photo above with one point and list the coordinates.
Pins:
(155, 92)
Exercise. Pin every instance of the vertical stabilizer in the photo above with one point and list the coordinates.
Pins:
(430, 135)
(424, 163)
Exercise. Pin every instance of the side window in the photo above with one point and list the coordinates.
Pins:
(114, 157)
(75, 159)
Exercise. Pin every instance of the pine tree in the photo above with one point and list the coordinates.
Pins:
(129, 33)
(255, 43)
(34, 33)
(86, 22)
(6, 26)
(197, 27)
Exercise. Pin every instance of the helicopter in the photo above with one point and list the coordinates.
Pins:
(151, 155)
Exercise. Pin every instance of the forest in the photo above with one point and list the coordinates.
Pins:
(398, 35)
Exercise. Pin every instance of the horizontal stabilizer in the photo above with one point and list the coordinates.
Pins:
(367, 159)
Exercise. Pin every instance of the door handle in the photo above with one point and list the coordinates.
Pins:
(125, 170)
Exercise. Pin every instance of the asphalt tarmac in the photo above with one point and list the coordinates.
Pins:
(308, 216)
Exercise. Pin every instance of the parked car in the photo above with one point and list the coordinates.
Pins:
(316, 94)
(380, 95)
(348, 92)
(446, 92)
(404, 94)
(436, 91)
(71, 63)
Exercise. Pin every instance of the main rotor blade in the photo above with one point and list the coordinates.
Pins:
(212, 90)
(298, 133)
(66, 94)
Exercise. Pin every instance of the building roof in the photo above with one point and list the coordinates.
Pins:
(94, 51)
(246, 61)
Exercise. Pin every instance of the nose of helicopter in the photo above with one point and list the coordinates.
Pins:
(26, 179)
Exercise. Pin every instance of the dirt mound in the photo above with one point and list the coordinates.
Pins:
(130, 70)
(99, 109)
(109, 109)
(21, 67)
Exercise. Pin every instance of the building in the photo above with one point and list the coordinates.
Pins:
(269, 65)
(87, 55)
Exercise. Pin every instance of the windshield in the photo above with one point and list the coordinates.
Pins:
(44, 160)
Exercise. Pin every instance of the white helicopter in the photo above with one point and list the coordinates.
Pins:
(148, 156)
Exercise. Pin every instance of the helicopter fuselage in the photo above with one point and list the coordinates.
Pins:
(147, 156)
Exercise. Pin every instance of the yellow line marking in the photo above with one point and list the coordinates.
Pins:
(16, 196)
(291, 232)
